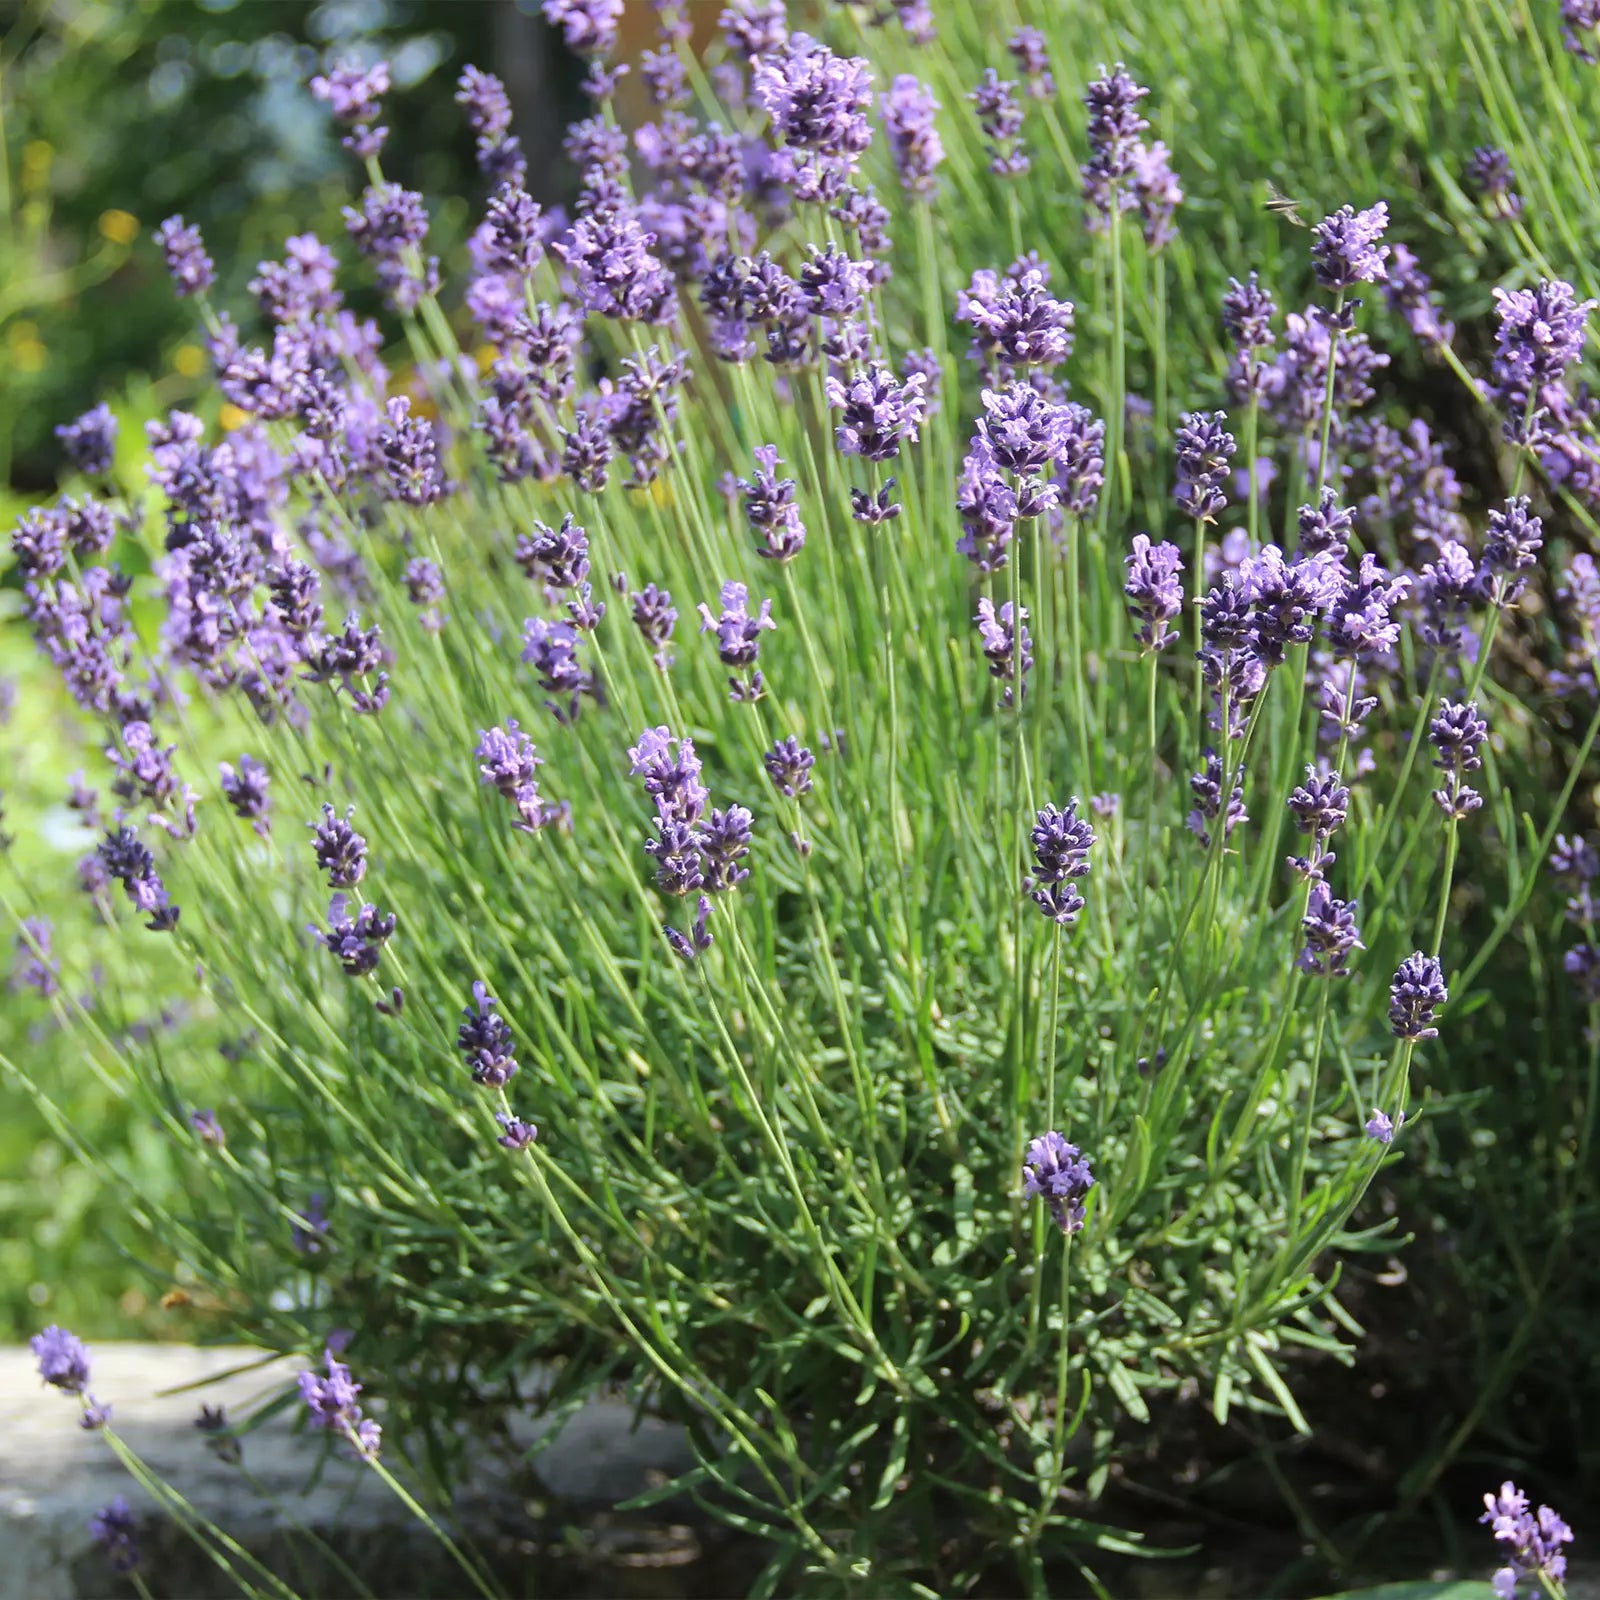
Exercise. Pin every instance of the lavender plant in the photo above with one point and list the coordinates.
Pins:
(756, 1015)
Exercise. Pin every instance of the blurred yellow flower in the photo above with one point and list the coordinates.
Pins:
(189, 360)
(120, 227)
(24, 348)
(232, 417)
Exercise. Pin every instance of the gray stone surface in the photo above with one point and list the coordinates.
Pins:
(54, 1475)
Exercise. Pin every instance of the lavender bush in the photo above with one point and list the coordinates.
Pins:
(753, 819)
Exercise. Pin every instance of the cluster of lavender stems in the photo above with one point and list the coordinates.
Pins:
(539, 511)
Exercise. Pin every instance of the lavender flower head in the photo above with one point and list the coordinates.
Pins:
(331, 1401)
(1347, 248)
(1417, 992)
(1580, 29)
(909, 113)
(1457, 734)
(818, 103)
(246, 789)
(90, 441)
(115, 1529)
(1532, 1541)
(508, 760)
(352, 92)
(1112, 101)
(1330, 932)
(1319, 807)
(341, 851)
(690, 946)
(1000, 117)
(1511, 546)
(878, 413)
(1027, 48)
(739, 635)
(1061, 843)
(34, 967)
(484, 1038)
(769, 504)
(63, 1359)
(357, 940)
(1205, 448)
(1007, 646)
(518, 1135)
(1058, 1173)
(1541, 333)
(588, 27)
(1490, 174)
(192, 271)
(789, 765)
(1206, 787)
(1381, 1128)
(1155, 590)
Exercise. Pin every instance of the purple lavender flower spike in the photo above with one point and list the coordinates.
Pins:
(1000, 117)
(1580, 33)
(34, 968)
(1247, 313)
(484, 1038)
(1008, 649)
(755, 27)
(125, 858)
(63, 1359)
(1331, 934)
(739, 636)
(410, 453)
(1320, 806)
(1058, 1173)
(518, 1135)
(90, 441)
(341, 851)
(115, 1529)
(1489, 174)
(909, 113)
(1410, 292)
(508, 760)
(1541, 333)
(246, 789)
(207, 1128)
(191, 269)
(818, 103)
(655, 617)
(724, 841)
(690, 946)
(1015, 320)
(769, 504)
(878, 413)
(1532, 1541)
(1154, 590)
(1205, 448)
(1346, 248)
(1157, 194)
(1381, 1128)
(1026, 47)
(1206, 786)
(551, 649)
(1112, 101)
(789, 765)
(1325, 528)
(357, 940)
(1457, 734)
(588, 27)
(1061, 844)
(1417, 992)
(1582, 965)
(1512, 545)
(489, 112)
(332, 1404)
